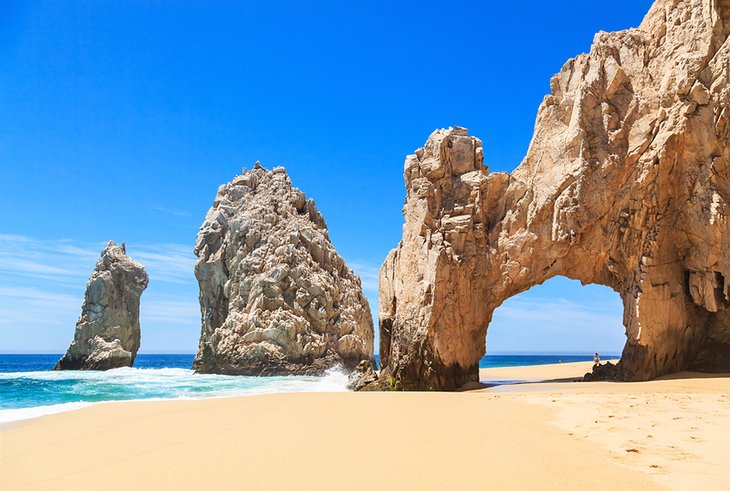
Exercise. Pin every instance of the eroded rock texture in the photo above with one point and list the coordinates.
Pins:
(625, 184)
(107, 333)
(275, 296)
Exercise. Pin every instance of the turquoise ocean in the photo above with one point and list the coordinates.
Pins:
(29, 388)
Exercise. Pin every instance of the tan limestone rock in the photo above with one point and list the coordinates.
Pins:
(108, 333)
(625, 184)
(275, 296)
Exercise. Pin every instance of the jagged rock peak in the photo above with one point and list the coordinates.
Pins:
(626, 183)
(108, 333)
(275, 296)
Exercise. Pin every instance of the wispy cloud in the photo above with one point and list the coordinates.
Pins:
(170, 211)
(554, 311)
(65, 261)
(368, 273)
(42, 289)
(49, 260)
(173, 263)
(170, 310)
(28, 305)
(21, 306)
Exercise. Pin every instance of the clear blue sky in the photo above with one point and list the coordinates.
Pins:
(121, 119)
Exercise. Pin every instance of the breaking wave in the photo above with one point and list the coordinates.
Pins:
(25, 395)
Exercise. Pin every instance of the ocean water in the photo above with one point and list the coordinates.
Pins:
(499, 361)
(29, 388)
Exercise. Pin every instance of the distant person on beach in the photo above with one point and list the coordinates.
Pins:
(596, 359)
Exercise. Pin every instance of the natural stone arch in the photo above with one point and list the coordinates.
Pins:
(625, 184)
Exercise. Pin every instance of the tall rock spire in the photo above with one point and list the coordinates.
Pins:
(108, 333)
(275, 296)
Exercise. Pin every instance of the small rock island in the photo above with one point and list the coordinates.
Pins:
(108, 332)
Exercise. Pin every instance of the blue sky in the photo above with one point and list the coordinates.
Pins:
(121, 119)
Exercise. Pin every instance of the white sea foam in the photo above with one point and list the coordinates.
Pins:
(11, 415)
(50, 392)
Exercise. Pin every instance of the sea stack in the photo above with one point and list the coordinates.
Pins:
(108, 333)
(626, 183)
(275, 297)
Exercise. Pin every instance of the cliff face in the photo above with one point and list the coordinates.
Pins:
(625, 184)
(275, 296)
(107, 333)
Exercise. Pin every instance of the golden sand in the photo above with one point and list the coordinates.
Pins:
(655, 435)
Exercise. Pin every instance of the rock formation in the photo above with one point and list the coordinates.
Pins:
(625, 184)
(275, 296)
(107, 333)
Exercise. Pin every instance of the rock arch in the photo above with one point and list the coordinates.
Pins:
(625, 184)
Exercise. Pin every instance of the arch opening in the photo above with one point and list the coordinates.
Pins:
(560, 320)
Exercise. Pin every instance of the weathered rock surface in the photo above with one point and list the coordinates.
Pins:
(275, 296)
(107, 333)
(626, 184)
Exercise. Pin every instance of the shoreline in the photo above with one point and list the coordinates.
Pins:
(12, 416)
(334, 381)
(663, 434)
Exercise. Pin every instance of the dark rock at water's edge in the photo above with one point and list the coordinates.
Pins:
(108, 332)
(275, 297)
(603, 372)
(363, 377)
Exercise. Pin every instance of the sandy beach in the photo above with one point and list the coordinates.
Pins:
(672, 433)
(219, 217)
